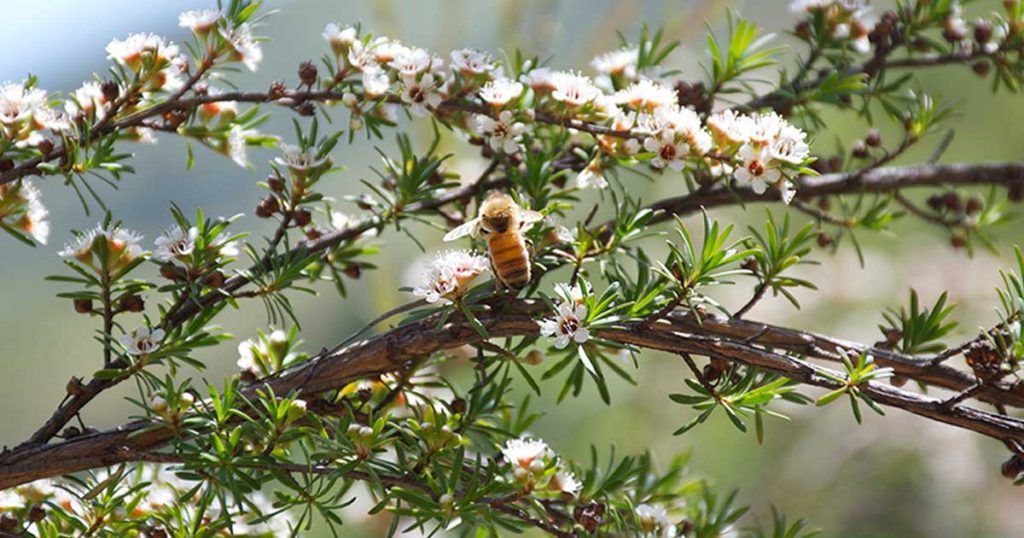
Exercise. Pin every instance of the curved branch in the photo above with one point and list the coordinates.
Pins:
(393, 350)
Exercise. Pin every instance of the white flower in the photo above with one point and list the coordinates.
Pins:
(565, 482)
(87, 101)
(80, 245)
(340, 38)
(620, 62)
(790, 146)
(757, 168)
(681, 120)
(591, 177)
(667, 151)
(298, 159)
(500, 91)
(245, 47)
(130, 52)
(526, 453)
(375, 82)
(541, 79)
(503, 134)
(730, 128)
(252, 356)
(123, 245)
(410, 62)
(141, 341)
(385, 49)
(421, 95)
(175, 244)
(471, 62)
(654, 522)
(567, 325)
(766, 127)
(236, 145)
(574, 89)
(21, 207)
(10, 500)
(18, 103)
(224, 246)
(361, 57)
(449, 275)
(647, 95)
(199, 21)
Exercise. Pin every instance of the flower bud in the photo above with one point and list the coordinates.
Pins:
(981, 68)
(215, 279)
(277, 90)
(275, 183)
(349, 99)
(873, 138)
(74, 386)
(859, 150)
(824, 240)
(353, 271)
(133, 303)
(110, 90)
(36, 514)
(186, 400)
(308, 73)
(296, 410)
(302, 217)
(974, 205)
(306, 109)
(158, 404)
(8, 522)
(534, 357)
(958, 240)
(983, 31)
(46, 146)
(355, 123)
(1013, 467)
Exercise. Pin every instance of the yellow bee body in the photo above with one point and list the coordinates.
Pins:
(501, 223)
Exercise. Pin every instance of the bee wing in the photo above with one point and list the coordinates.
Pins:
(469, 228)
(527, 217)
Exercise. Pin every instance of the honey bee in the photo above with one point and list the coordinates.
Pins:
(501, 223)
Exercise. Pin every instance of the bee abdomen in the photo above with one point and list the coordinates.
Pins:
(510, 259)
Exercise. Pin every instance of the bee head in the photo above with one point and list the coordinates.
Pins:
(498, 212)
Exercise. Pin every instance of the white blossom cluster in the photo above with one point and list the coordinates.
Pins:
(26, 116)
(122, 246)
(449, 276)
(176, 245)
(646, 113)
(264, 355)
(163, 491)
(654, 522)
(765, 144)
(21, 208)
(845, 19)
(537, 468)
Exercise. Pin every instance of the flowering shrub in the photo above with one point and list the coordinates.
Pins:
(278, 447)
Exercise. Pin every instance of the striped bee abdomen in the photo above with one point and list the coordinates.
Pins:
(510, 258)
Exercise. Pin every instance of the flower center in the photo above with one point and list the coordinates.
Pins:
(667, 152)
(569, 325)
(756, 168)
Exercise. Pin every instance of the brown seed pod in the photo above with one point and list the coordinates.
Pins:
(83, 306)
(308, 73)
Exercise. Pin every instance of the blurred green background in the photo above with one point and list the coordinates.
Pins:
(894, 476)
